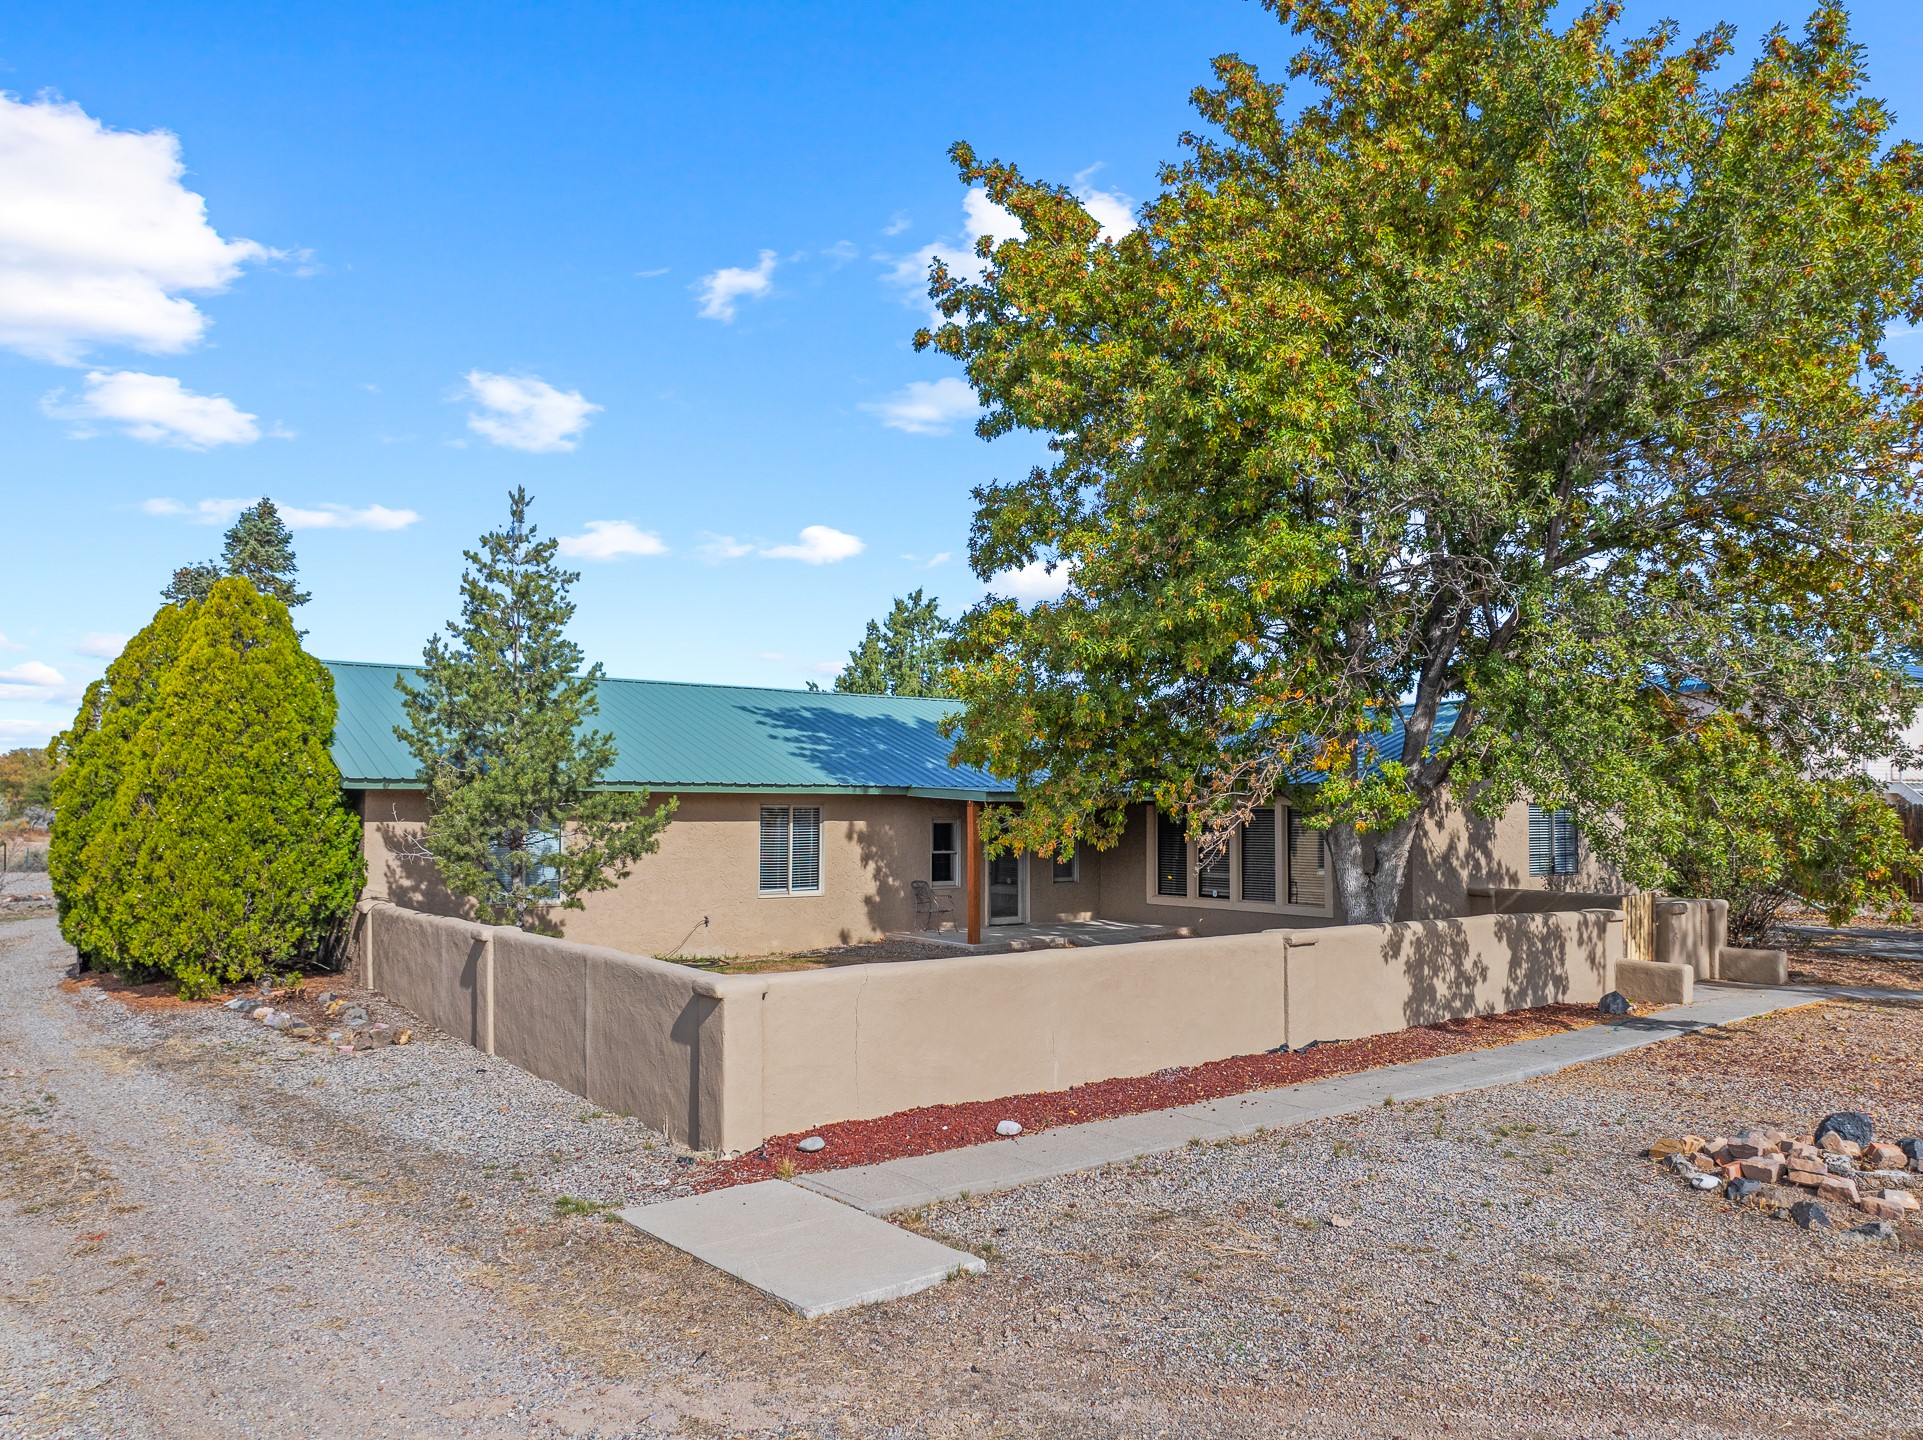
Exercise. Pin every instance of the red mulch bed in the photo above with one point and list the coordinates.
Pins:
(950, 1127)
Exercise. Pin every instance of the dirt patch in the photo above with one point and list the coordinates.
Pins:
(936, 1128)
(1834, 967)
(155, 995)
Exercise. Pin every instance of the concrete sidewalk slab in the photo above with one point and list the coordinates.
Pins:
(896, 1185)
(806, 1251)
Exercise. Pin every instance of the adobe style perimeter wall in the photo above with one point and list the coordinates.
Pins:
(721, 1062)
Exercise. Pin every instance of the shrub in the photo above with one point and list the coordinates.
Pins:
(216, 842)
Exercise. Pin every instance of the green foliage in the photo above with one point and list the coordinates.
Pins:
(26, 780)
(258, 549)
(1520, 368)
(210, 842)
(515, 821)
(1729, 817)
(906, 654)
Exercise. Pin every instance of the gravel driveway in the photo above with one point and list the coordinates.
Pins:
(209, 1230)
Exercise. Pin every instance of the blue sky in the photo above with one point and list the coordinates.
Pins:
(659, 263)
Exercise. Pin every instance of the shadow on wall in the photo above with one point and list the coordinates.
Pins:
(888, 898)
(1449, 971)
(1453, 853)
(411, 878)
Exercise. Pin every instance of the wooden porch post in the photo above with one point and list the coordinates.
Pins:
(972, 853)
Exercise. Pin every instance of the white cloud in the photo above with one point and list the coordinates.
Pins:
(897, 223)
(101, 644)
(724, 287)
(611, 540)
(524, 412)
(1032, 582)
(716, 548)
(99, 240)
(980, 216)
(201, 512)
(155, 409)
(6, 644)
(927, 407)
(345, 517)
(1110, 209)
(819, 545)
(34, 680)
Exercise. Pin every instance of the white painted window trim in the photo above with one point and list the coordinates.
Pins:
(961, 861)
(821, 867)
(1325, 910)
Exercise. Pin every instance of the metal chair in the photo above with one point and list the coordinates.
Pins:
(930, 904)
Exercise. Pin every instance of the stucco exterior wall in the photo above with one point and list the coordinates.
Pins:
(698, 895)
(722, 1062)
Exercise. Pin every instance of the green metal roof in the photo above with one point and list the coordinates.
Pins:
(673, 736)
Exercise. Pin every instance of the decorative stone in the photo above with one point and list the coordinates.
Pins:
(1613, 1003)
(1876, 1230)
(260, 1012)
(1913, 1149)
(1810, 1216)
(1881, 1209)
(1901, 1199)
(1883, 1157)
(1009, 1127)
(1766, 1169)
(811, 1145)
(1850, 1125)
(1902, 1179)
(1700, 1181)
(403, 1036)
(1838, 1190)
(1741, 1189)
(299, 1031)
(1670, 1145)
(1839, 1165)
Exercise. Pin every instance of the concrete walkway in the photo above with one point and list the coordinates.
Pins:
(907, 1184)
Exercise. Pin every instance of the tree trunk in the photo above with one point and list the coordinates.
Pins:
(1371, 895)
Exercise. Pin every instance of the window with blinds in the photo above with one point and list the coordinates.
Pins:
(1552, 841)
(1171, 856)
(790, 849)
(1258, 855)
(1308, 864)
(941, 855)
(1212, 879)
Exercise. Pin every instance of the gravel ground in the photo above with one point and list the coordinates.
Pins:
(200, 1237)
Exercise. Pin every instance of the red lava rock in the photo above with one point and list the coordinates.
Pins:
(935, 1128)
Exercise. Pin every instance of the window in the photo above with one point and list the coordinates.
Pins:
(790, 849)
(1068, 867)
(1171, 856)
(1308, 864)
(1258, 855)
(1212, 879)
(941, 854)
(1552, 841)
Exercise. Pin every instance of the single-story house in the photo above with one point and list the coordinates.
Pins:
(806, 818)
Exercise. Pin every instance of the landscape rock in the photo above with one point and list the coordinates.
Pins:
(1913, 1148)
(1876, 1230)
(1742, 1189)
(1767, 1169)
(1882, 1209)
(1850, 1125)
(1810, 1216)
(300, 1031)
(1899, 1178)
(403, 1036)
(1701, 1181)
(1838, 1190)
(1670, 1145)
(1009, 1127)
(811, 1145)
(1901, 1199)
(1883, 1157)
(1613, 1004)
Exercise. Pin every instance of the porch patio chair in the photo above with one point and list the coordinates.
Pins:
(930, 904)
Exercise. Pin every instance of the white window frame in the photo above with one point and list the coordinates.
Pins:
(1235, 902)
(790, 813)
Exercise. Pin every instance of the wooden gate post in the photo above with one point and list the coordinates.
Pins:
(972, 855)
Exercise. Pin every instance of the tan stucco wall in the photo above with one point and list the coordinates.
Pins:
(1355, 980)
(873, 847)
(722, 1062)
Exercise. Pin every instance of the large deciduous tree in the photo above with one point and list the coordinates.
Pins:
(518, 820)
(1429, 437)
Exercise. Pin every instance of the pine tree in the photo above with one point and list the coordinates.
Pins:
(257, 548)
(906, 654)
(216, 843)
(516, 821)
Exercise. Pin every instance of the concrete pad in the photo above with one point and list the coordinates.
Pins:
(803, 1249)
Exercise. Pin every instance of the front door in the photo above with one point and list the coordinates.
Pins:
(1005, 890)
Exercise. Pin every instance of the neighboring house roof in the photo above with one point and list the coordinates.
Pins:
(672, 736)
